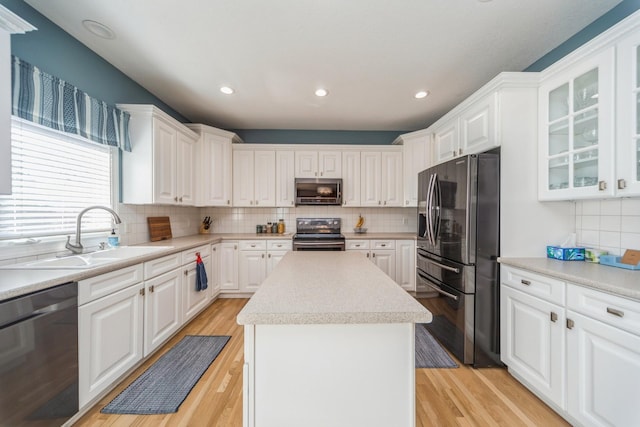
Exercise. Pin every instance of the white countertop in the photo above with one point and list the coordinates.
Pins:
(330, 288)
(615, 280)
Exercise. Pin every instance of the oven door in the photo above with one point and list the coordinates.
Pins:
(453, 316)
(318, 245)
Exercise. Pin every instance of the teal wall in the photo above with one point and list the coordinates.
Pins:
(354, 137)
(615, 15)
(56, 52)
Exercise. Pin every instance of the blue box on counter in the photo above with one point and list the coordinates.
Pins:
(565, 254)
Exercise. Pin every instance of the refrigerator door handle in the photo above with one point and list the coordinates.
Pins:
(428, 227)
(438, 290)
(442, 266)
(438, 197)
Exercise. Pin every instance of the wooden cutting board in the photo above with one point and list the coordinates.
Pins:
(159, 228)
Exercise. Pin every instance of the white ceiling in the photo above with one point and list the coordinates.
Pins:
(371, 55)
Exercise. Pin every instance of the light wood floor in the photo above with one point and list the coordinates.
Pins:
(445, 397)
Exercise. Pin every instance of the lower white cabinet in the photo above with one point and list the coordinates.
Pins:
(581, 356)
(256, 259)
(406, 264)
(110, 339)
(381, 252)
(214, 278)
(163, 309)
(193, 300)
(228, 253)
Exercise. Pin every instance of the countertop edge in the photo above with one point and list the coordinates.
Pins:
(247, 319)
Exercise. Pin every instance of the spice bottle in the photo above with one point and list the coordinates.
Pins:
(269, 227)
(274, 228)
(281, 226)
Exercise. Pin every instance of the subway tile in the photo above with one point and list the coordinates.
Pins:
(609, 238)
(591, 207)
(630, 206)
(630, 241)
(590, 222)
(630, 224)
(590, 238)
(610, 207)
(610, 223)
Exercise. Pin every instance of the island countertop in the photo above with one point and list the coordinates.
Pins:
(310, 287)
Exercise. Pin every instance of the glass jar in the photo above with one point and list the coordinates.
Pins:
(281, 226)
(274, 228)
(269, 225)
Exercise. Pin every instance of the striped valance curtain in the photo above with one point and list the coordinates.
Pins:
(49, 101)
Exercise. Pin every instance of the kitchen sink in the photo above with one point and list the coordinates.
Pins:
(89, 260)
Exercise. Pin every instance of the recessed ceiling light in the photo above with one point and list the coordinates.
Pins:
(226, 90)
(421, 94)
(98, 29)
(322, 92)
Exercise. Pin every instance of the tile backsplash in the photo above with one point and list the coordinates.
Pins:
(185, 221)
(612, 225)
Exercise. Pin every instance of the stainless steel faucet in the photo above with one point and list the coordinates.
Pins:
(77, 248)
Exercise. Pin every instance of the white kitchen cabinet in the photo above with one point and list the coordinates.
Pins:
(576, 146)
(478, 126)
(628, 116)
(406, 264)
(159, 169)
(213, 165)
(381, 252)
(254, 178)
(446, 141)
(416, 157)
(163, 308)
(276, 249)
(351, 178)
(285, 178)
(381, 178)
(214, 279)
(532, 342)
(318, 164)
(228, 266)
(110, 338)
(193, 300)
(256, 259)
(603, 350)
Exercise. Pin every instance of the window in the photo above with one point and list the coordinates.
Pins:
(54, 176)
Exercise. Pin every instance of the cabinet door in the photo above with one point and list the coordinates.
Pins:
(164, 163)
(330, 164)
(285, 176)
(386, 261)
(193, 301)
(603, 373)
(162, 309)
(228, 266)
(406, 264)
(185, 150)
(416, 157)
(370, 164)
(243, 178)
(110, 338)
(628, 116)
(478, 127)
(306, 164)
(264, 183)
(252, 270)
(216, 177)
(576, 131)
(351, 178)
(273, 258)
(445, 142)
(214, 278)
(391, 179)
(532, 342)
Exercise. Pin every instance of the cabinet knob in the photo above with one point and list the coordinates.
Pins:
(385, 203)
(186, 272)
(235, 247)
(269, 255)
(321, 173)
(181, 199)
(262, 255)
(251, 202)
(622, 184)
(214, 249)
(367, 254)
(373, 255)
(406, 202)
(602, 185)
(228, 202)
(570, 324)
(554, 317)
(292, 203)
(379, 202)
(460, 152)
(142, 291)
(316, 173)
(151, 288)
(256, 202)
(175, 199)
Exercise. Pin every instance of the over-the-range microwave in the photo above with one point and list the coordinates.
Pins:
(318, 191)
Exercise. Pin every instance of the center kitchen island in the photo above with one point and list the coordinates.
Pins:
(329, 341)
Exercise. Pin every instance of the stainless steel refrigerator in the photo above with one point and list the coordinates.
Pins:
(457, 274)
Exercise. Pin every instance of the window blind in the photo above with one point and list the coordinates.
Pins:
(54, 176)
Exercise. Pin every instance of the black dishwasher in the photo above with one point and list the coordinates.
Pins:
(39, 357)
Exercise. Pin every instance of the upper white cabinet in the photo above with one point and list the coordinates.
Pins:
(285, 178)
(628, 116)
(416, 157)
(576, 147)
(318, 164)
(9, 24)
(446, 140)
(351, 178)
(254, 178)
(213, 165)
(381, 178)
(159, 169)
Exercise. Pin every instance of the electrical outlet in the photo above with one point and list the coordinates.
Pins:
(405, 221)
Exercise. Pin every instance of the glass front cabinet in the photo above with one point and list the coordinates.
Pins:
(577, 131)
(628, 116)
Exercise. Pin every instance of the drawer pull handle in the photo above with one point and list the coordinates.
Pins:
(554, 317)
(383, 245)
(615, 312)
(525, 282)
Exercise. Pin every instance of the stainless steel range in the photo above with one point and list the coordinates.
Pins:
(318, 234)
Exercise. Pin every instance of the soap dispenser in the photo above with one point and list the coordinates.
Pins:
(114, 239)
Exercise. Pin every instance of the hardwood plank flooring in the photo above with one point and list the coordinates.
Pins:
(444, 397)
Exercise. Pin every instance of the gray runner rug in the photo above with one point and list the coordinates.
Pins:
(429, 353)
(162, 388)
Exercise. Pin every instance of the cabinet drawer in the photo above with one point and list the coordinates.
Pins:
(383, 244)
(357, 244)
(158, 266)
(106, 284)
(279, 245)
(253, 245)
(616, 311)
(190, 254)
(547, 288)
